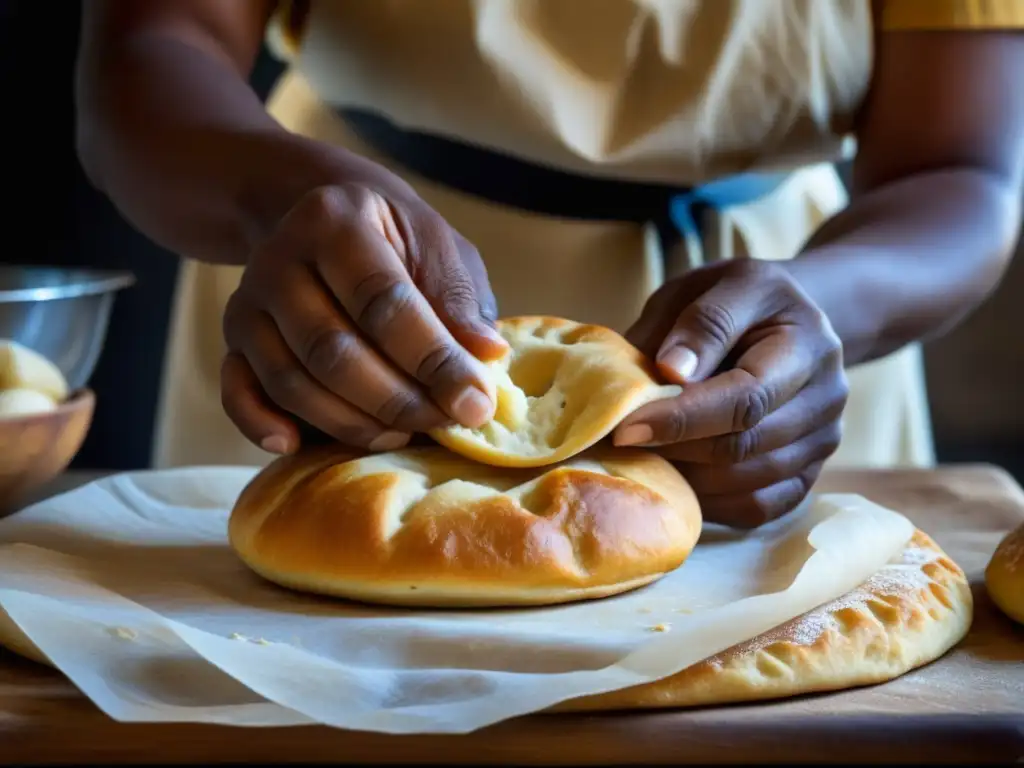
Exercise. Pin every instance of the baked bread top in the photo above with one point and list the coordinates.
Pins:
(1004, 576)
(430, 528)
(908, 614)
(561, 388)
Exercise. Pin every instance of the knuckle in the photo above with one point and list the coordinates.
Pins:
(458, 294)
(758, 511)
(757, 270)
(439, 364)
(714, 321)
(737, 447)
(398, 410)
(819, 321)
(230, 320)
(780, 465)
(743, 445)
(429, 226)
(831, 439)
(834, 411)
(284, 386)
(751, 407)
(332, 353)
(352, 435)
(381, 299)
(326, 203)
(228, 387)
(670, 427)
(832, 345)
(770, 504)
(842, 389)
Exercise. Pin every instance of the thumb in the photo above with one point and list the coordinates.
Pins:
(707, 330)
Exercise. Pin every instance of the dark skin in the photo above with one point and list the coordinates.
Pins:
(363, 313)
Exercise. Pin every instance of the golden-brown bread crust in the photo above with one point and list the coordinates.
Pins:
(427, 527)
(562, 387)
(908, 614)
(1004, 576)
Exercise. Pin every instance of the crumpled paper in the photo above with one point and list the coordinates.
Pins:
(129, 587)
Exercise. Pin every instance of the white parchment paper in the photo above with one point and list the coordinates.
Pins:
(129, 587)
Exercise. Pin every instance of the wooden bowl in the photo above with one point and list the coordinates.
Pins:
(35, 448)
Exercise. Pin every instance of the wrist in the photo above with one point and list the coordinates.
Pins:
(291, 166)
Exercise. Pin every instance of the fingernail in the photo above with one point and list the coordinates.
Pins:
(472, 408)
(634, 434)
(681, 360)
(389, 441)
(275, 444)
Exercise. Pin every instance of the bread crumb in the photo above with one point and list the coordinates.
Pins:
(644, 610)
(660, 628)
(123, 633)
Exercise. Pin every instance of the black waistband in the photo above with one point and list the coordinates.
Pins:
(512, 182)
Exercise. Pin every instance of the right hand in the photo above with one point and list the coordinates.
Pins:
(364, 315)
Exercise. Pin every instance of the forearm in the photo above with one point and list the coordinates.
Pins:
(174, 135)
(910, 259)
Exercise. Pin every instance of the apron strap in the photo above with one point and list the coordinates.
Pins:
(512, 182)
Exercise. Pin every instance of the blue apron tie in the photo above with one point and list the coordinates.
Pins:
(720, 194)
(517, 183)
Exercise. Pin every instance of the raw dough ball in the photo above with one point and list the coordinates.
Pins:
(24, 402)
(24, 368)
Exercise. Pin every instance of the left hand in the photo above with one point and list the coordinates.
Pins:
(764, 388)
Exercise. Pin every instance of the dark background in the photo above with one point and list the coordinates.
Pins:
(72, 224)
(56, 218)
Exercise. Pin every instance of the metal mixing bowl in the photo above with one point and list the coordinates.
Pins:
(60, 313)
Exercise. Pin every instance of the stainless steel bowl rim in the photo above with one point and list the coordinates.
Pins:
(85, 282)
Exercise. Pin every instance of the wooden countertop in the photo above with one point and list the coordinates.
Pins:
(966, 707)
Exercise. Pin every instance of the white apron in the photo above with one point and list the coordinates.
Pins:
(767, 84)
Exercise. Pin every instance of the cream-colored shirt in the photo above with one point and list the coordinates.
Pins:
(677, 91)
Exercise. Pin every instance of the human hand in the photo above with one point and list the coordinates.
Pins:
(764, 388)
(363, 314)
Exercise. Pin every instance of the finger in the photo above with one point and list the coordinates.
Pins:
(478, 274)
(815, 405)
(285, 382)
(364, 272)
(712, 324)
(750, 510)
(454, 281)
(246, 405)
(333, 352)
(770, 373)
(656, 319)
(449, 273)
(765, 470)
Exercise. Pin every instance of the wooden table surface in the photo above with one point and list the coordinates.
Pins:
(966, 707)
